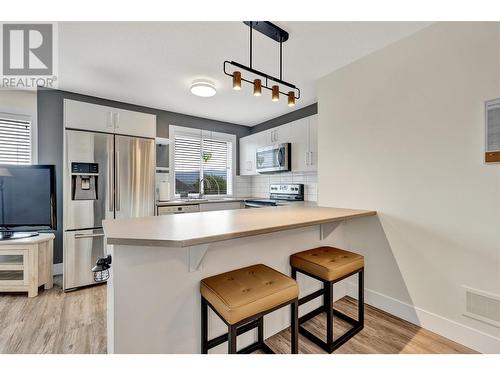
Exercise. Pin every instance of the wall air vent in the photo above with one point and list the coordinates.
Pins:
(482, 306)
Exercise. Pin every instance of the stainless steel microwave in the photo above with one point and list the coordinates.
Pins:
(275, 158)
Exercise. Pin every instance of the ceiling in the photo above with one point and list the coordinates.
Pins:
(154, 63)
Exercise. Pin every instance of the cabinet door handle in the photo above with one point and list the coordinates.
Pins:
(117, 120)
(110, 121)
(310, 158)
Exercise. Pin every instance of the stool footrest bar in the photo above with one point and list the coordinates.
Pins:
(311, 296)
(345, 317)
(212, 343)
(256, 346)
(311, 314)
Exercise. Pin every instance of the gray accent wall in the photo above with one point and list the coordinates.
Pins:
(50, 136)
(288, 117)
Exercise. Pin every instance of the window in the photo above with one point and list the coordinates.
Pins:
(15, 140)
(203, 162)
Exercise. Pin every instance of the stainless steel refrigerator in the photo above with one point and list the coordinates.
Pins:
(106, 176)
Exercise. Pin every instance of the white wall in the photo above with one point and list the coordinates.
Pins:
(401, 131)
(21, 102)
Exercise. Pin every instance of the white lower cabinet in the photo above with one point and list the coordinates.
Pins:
(218, 206)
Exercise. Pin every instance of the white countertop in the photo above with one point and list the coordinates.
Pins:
(205, 227)
(184, 202)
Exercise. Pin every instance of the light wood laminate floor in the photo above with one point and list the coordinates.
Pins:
(75, 322)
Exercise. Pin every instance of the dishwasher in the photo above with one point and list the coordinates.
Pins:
(178, 209)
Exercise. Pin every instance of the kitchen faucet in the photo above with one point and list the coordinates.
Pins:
(202, 191)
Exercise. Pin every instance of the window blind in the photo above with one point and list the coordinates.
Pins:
(15, 141)
(187, 161)
(206, 160)
(217, 162)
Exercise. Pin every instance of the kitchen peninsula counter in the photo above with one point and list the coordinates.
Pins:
(206, 227)
(157, 263)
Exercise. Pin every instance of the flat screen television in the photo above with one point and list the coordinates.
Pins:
(27, 200)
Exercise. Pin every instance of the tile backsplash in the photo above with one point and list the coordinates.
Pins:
(258, 186)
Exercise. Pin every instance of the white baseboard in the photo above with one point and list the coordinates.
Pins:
(57, 268)
(470, 337)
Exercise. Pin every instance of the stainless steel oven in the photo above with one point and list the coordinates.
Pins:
(280, 194)
(275, 158)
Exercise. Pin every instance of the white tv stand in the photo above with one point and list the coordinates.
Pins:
(26, 264)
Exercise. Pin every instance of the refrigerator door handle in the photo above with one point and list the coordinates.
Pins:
(117, 180)
(78, 236)
(110, 184)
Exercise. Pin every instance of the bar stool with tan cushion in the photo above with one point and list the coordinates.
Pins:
(241, 298)
(329, 265)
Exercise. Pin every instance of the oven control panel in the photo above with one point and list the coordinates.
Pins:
(293, 192)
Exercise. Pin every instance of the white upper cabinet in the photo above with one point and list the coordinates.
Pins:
(302, 134)
(279, 134)
(88, 116)
(313, 143)
(300, 144)
(135, 123)
(305, 144)
(247, 157)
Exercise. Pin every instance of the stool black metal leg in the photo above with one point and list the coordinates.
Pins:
(327, 292)
(294, 327)
(328, 304)
(294, 273)
(260, 330)
(231, 342)
(361, 299)
(204, 326)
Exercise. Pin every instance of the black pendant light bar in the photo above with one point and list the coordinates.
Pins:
(279, 35)
(267, 78)
(268, 29)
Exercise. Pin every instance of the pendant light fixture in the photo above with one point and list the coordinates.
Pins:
(257, 87)
(275, 93)
(266, 81)
(236, 80)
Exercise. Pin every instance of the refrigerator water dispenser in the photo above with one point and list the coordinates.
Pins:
(84, 180)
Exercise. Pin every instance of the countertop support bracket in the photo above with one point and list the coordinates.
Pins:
(196, 255)
(327, 228)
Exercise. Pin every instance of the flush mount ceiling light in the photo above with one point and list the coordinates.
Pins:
(266, 81)
(203, 88)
